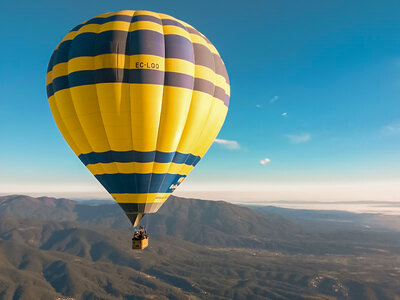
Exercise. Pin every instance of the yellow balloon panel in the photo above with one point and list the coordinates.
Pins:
(146, 103)
(196, 120)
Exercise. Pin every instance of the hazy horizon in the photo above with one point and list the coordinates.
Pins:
(359, 197)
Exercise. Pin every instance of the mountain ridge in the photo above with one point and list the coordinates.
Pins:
(209, 222)
(92, 258)
(93, 263)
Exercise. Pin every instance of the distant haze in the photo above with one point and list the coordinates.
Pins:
(368, 196)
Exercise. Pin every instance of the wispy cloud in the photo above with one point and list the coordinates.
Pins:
(285, 114)
(274, 99)
(228, 144)
(392, 129)
(265, 161)
(298, 138)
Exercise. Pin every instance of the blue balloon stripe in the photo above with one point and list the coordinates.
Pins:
(140, 183)
(120, 18)
(143, 76)
(123, 42)
(139, 156)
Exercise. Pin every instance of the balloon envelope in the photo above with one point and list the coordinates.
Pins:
(139, 97)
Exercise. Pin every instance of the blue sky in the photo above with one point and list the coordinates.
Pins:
(315, 89)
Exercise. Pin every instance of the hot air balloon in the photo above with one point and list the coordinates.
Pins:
(139, 97)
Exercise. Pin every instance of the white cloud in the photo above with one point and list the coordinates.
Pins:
(284, 114)
(258, 105)
(274, 99)
(392, 129)
(231, 145)
(265, 161)
(298, 138)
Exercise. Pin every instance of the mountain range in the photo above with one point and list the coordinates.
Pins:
(61, 249)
